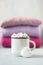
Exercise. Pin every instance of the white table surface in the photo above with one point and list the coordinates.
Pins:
(7, 58)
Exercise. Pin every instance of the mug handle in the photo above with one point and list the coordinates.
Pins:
(33, 44)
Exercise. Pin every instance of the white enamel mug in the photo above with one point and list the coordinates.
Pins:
(17, 44)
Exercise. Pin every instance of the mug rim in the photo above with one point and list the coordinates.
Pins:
(19, 38)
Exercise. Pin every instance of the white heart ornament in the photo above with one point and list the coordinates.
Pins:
(26, 52)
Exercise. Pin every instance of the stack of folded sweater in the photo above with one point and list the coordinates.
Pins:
(24, 25)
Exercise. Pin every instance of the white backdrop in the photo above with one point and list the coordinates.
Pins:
(27, 8)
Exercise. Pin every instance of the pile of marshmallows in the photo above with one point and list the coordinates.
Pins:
(20, 35)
